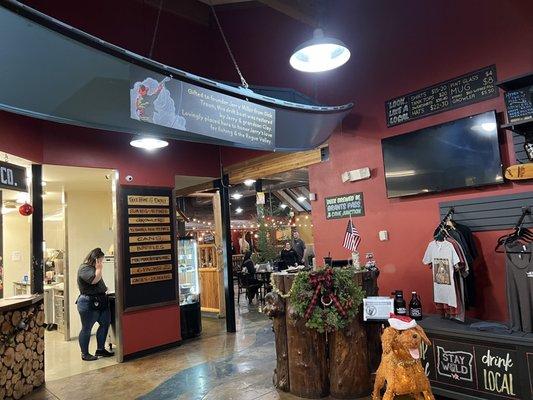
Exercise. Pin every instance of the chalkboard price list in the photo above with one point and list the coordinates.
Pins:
(458, 92)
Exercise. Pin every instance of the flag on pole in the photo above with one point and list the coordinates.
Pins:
(351, 237)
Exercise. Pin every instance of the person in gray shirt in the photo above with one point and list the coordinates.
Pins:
(299, 246)
(93, 305)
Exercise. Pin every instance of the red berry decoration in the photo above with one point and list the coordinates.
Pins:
(26, 210)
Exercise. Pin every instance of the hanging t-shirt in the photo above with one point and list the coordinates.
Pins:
(443, 258)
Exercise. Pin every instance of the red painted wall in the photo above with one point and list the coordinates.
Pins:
(397, 47)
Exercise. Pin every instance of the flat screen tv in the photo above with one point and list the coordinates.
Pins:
(457, 154)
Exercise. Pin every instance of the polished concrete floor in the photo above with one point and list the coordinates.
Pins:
(62, 358)
(216, 366)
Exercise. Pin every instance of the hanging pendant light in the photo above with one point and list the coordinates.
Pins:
(319, 54)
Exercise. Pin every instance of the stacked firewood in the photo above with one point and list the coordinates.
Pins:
(21, 351)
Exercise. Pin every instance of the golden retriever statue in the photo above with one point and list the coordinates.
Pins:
(400, 363)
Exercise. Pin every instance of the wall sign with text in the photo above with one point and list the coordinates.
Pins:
(478, 368)
(519, 104)
(13, 177)
(344, 206)
(149, 248)
(454, 93)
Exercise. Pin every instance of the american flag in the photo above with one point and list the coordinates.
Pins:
(351, 237)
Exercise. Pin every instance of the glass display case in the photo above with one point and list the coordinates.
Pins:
(188, 280)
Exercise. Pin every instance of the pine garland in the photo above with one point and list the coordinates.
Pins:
(327, 299)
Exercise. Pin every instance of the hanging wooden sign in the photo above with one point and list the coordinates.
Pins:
(149, 229)
(148, 259)
(152, 268)
(148, 211)
(151, 238)
(151, 279)
(162, 220)
(148, 200)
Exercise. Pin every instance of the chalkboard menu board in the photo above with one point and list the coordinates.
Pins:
(148, 247)
(454, 93)
(344, 206)
(519, 104)
(483, 368)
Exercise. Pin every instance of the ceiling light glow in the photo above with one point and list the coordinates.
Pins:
(149, 143)
(236, 196)
(249, 182)
(319, 54)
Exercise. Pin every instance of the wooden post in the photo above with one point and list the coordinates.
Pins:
(349, 360)
(308, 364)
(218, 260)
(275, 308)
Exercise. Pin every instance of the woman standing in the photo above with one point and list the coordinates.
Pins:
(93, 305)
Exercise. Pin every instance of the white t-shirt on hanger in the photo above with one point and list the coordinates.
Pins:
(443, 258)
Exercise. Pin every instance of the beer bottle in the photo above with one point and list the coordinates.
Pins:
(400, 308)
(415, 307)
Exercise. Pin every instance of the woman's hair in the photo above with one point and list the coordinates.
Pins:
(94, 255)
(247, 255)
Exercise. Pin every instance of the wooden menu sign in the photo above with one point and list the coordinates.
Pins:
(150, 277)
(454, 93)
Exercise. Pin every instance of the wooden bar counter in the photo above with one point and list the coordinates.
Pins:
(21, 345)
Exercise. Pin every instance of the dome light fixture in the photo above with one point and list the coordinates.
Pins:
(236, 195)
(319, 54)
(249, 182)
(149, 143)
(238, 210)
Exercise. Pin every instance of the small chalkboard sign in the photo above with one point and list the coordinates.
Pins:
(344, 206)
(478, 368)
(454, 93)
(454, 363)
(149, 272)
(519, 104)
(13, 177)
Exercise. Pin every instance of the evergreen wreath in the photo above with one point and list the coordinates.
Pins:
(328, 299)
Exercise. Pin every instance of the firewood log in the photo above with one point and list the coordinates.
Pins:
(27, 368)
(19, 352)
(18, 390)
(40, 318)
(9, 357)
(6, 327)
(40, 346)
(20, 337)
(35, 365)
(16, 317)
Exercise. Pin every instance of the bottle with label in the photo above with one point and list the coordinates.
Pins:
(415, 307)
(400, 308)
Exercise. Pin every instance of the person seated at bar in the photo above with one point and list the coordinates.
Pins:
(251, 283)
(288, 257)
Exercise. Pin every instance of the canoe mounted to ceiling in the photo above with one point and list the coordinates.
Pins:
(52, 71)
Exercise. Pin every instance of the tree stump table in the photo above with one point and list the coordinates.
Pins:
(312, 365)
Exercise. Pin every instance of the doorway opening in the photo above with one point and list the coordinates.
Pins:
(79, 214)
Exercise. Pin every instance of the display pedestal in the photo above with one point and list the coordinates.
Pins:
(304, 366)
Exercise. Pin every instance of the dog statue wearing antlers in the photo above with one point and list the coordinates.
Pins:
(400, 363)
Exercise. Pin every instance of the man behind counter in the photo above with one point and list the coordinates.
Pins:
(299, 246)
